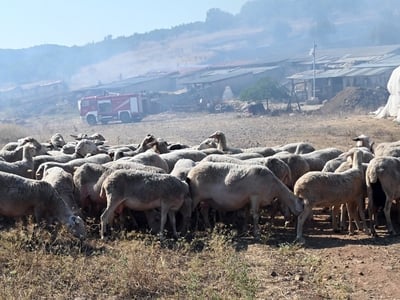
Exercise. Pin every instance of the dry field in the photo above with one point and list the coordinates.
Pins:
(216, 265)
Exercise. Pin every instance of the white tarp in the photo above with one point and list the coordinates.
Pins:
(392, 107)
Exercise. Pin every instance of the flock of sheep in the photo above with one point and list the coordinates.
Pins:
(66, 182)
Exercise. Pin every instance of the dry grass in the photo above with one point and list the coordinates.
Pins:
(138, 266)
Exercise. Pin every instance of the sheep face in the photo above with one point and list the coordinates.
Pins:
(76, 227)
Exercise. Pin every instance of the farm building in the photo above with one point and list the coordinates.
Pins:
(210, 83)
(336, 69)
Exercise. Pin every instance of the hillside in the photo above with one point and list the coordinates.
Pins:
(262, 31)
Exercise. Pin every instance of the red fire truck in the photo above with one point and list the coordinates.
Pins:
(111, 107)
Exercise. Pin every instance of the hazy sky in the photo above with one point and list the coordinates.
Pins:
(27, 23)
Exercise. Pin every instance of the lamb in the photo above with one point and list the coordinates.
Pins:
(20, 196)
(324, 189)
(143, 191)
(22, 167)
(231, 187)
(383, 174)
(63, 183)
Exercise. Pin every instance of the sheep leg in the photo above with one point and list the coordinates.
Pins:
(386, 210)
(352, 217)
(371, 211)
(164, 212)
(303, 216)
(335, 215)
(172, 220)
(343, 215)
(108, 215)
(361, 214)
(255, 212)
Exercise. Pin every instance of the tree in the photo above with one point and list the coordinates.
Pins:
(264, 89)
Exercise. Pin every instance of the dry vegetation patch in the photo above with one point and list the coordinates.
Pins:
(216, 265)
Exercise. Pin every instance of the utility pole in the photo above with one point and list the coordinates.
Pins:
(313, 54)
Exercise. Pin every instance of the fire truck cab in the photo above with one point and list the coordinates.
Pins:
(112, 107)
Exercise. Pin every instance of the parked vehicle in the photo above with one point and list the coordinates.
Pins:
(111, 107)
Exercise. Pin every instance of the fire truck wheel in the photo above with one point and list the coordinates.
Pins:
(125, 117)
(91, 120)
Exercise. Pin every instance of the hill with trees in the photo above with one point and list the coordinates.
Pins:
(264, 30)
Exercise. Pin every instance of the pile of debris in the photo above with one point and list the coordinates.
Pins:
(356, 100)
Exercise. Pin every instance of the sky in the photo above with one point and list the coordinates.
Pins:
(27, 23)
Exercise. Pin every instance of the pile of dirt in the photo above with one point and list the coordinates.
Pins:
(356, 100)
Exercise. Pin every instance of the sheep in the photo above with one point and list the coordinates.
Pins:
(20, 196)
(387, 149)
(71, 165)
(276, 165)
(182, 168)
(383, 174)
(332, 164)
(297, 163)
(172, 157)
(230, 187)
(147, 143)
(363, 141)
(57, 141)
(22, 167)
(318, 188)
(296, 148)
(149, 158)
(246, 155)
(143, 191)
(220, 138)
(63, 183)
(16, 153)
(318, 158)
(82, 149)
(206, 144)
(85, 177)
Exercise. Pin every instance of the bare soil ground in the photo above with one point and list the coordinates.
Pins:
(330, 265)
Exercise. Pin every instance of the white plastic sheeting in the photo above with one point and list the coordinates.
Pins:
(392, 107)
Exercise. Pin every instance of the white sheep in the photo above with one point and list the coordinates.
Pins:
(231, 187)
(22, 167)
(172, 157)
(220, 138)
(85, 178)
(143, 191)
(63, 183)
(20, 196)
(324, 189)
(296, 148)
(71, 165)
(383, 187)
(16, 152)
(318, 158)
